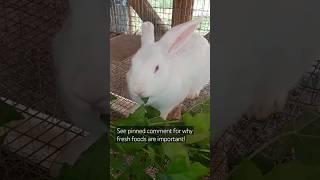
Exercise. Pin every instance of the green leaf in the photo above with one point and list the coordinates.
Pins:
(151, 112)
(313, 129)
(246, 170)
(180, 176)
(307, 150)
(302, 121)
(198, 170)
(201, 124)
(145, 99)
(157, 121)
(198, 137)
(315, 174)
(138, 117)
(125, 122)
(293, 170)
(311, 125)
(116, 146)
(132, 147)
(8, 113)
(163, 177)
(202, 156)
(113, 98)
(128, 147)
(152, 154)
(263, 163)
(92, 164)
(302, 138)
(135, 119)
(284, 145)
(174, 150)
(187, 118)
(202, 121)
(136, 169)
(306, 137)
(178, 165)
(138, 114)
(117, 162)
(180, 168)
(158, 155)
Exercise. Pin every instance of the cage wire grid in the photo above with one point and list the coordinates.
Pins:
(128, 15)
(30, 145)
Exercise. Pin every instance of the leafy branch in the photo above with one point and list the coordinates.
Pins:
(188, 160)
(302, 137)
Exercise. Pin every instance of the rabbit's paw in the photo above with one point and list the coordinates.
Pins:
(175, 114)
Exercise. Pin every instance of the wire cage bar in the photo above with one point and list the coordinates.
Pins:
(127, 15)
(30, 145)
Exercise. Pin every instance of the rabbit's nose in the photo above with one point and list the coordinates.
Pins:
(139, 92)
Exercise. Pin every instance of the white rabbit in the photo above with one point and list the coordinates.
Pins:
(260, 52)
(169, 70)
(80, 59)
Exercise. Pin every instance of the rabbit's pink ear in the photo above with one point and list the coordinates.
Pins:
(147, 33)
(176, 37)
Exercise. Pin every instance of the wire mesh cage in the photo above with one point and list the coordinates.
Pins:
(127, 16)
(27, 84)
(248, 135)
(126, 20)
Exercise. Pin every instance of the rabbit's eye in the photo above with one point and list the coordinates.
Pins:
(156, 69)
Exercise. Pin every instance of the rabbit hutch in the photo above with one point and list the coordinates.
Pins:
(32, 140)
(126, 18)
(237, 141)
(33, 125)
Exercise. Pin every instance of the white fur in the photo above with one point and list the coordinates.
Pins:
(181, 73)
(80, 58)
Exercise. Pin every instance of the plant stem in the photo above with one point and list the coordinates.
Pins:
(269, 143)
(309, 136)
(166, 122)
(201, 150)
(293, 132)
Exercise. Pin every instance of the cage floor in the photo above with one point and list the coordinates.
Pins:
(38, 138)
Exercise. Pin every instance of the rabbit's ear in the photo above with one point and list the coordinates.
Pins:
(176, 37)
(147, 33)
